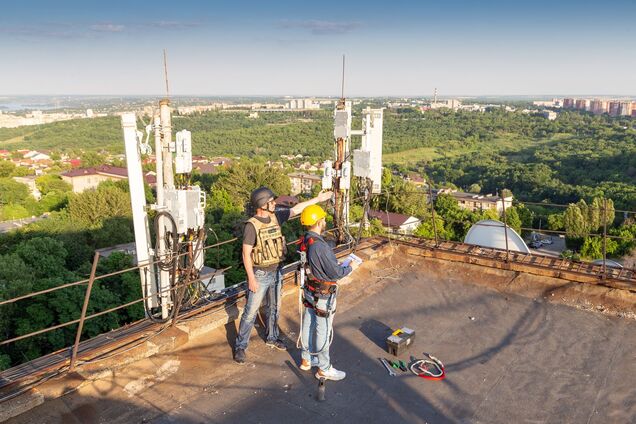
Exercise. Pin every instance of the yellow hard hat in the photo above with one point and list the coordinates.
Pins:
(312, 214)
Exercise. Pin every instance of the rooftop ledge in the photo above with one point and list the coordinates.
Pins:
(519, 345)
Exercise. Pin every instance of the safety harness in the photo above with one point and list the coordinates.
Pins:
(315, 289)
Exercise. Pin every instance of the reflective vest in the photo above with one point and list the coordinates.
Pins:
(270, 245)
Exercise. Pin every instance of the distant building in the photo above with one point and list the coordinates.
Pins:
(476, 202)
(395, 222)
(82, 179)
(582, 104)
(598, 107)
(568, 103)
(415, 179)
(625, 108)
(36, 156)
(89, 113)
(549, 115)
(449, 103)
(303, 104)
(302, 183)
(620, 108)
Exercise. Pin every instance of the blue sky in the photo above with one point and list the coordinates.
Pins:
(295, 47)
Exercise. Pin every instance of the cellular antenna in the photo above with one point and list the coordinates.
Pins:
(165, 72)
(343, 77)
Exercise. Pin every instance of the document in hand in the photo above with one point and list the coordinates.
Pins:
(351, 258)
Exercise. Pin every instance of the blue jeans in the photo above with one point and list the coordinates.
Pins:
(270, 285)
(316, 333)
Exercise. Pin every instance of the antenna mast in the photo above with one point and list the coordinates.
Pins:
(165, 72)
(343, 77)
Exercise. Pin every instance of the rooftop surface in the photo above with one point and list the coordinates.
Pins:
(509, 359)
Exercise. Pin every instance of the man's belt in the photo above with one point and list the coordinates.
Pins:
(321, 287)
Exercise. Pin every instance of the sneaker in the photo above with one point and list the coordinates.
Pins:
(306, 365)
(239, 355)
(331, 374)
(276, 344)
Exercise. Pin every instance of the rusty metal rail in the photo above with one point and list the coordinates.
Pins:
(624, 279)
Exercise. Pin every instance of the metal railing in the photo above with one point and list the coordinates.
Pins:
(500, 199)
(93, 277)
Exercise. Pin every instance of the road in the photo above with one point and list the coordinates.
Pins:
(7, 226)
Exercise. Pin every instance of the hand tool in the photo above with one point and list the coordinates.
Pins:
(388, 367)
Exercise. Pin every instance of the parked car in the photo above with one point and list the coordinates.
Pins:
(546, 241)
(536, 244)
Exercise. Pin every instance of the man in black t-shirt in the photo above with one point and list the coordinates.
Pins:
(263, 252)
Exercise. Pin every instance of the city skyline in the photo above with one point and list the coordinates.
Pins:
(398, 49)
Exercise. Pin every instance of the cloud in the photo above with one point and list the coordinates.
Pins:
(92, 30)
(107, 27)
(318, 27)
(176, 25)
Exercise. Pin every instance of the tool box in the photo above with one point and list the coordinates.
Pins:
(399, 341)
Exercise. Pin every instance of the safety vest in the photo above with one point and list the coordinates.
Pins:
(270, 245)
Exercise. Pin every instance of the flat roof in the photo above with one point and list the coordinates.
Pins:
(508, 359)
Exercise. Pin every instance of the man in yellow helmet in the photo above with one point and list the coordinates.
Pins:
(263, 253)
(319, 295)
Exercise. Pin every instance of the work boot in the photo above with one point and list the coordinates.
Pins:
(276, 344)
(306, 365)
(239, 355)
(331, 374)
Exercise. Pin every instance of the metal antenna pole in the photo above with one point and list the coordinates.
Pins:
(604, 237)
(343, 78)
(165, 72)
(503, 203)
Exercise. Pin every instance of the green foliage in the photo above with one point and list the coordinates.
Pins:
(375, 228)
(7, 168)
(593, 247)
(93, 134)
(12, 192)
(574, 220)
(426, 229)
(240, 179)
(92, 207)
(12, 211)
(556, 222)
(92, 159)
(474, 188)
(513, 219)
(52, 183)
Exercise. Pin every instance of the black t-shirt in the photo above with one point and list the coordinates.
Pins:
(249, 233)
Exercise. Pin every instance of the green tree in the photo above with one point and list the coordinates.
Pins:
(242, 178)
(91, 159)
(513, 219)
(556, 221)
(6, 168)
(593, 247)
(474, 188)
(50, 182)
(575, 222)
(13, 211)
(12, 192)
(92, 207)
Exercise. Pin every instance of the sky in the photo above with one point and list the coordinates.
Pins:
(392, 47)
